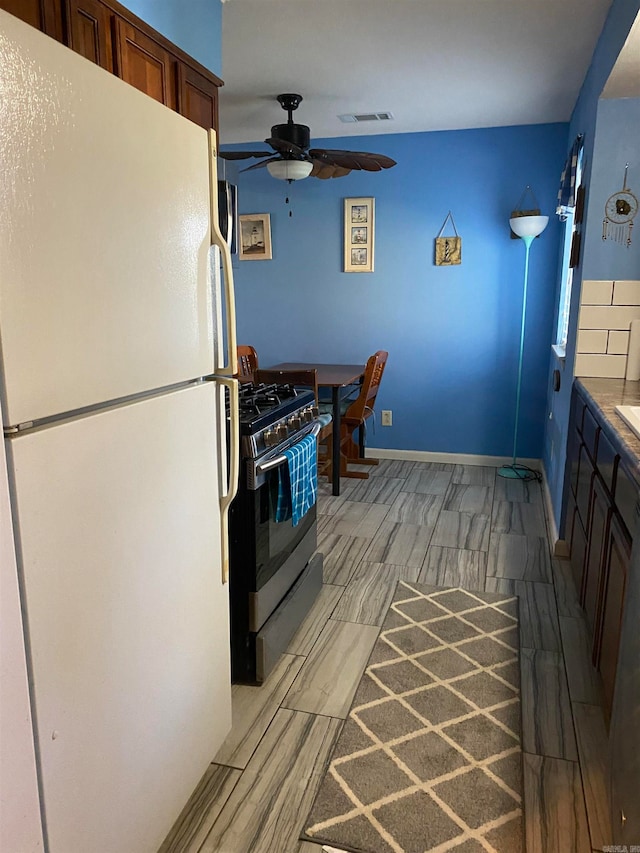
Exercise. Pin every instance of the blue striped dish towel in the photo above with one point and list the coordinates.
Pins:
(298, 481)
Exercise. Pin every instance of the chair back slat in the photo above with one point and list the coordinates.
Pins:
(362, 406)
(247, 360)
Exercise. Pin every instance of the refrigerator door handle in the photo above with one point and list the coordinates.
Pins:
(234, 471)
(218, 240)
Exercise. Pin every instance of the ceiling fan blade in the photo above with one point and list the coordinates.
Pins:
(322, 171)
(285, 147)
(260, 164)
(243, 155)
(353, 159)
(327, 170)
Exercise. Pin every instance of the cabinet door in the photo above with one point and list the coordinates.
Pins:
(197, 97)
(618, 557)
(45, 15)
(578, 551)
(142, 62)
(600, 516)
(89, 31)
(573, 458)
(583, 492)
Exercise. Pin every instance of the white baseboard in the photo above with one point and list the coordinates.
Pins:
(450, 458)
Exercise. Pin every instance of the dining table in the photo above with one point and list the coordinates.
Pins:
(337, 377)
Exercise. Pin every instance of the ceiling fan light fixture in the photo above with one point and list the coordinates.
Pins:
(290, 170)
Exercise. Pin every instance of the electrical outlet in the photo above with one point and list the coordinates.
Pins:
(387, 417)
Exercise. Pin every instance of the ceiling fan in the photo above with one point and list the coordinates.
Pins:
(294, 158)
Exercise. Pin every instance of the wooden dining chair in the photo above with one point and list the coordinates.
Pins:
(247, 361)
(355, 418)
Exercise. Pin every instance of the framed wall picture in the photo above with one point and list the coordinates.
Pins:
(255, 237)
(358, 234)
(448, 250)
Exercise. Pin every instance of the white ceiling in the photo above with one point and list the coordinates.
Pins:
(624, 80)
(435, 64)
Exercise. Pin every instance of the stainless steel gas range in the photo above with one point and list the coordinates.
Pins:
(274, 576)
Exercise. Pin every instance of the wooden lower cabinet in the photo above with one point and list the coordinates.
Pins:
(599, 520)
(573, 459)
(602, 506)
(584, 486)
(143, 63)
(578, 546)
(617, 560)
(89, 31)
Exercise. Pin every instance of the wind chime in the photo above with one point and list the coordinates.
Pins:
(619, 213)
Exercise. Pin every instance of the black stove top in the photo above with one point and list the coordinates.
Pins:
(263, 405)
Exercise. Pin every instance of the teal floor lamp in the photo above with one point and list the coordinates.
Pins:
(528, 228)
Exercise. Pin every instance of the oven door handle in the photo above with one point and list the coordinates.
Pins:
(278, 460)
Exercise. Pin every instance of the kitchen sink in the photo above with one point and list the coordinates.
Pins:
(631, 416)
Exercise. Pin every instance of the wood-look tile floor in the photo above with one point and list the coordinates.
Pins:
(449, 525)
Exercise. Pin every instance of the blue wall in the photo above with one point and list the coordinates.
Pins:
(195, 26)
(617, 142)
(452, 332)
(614, 33)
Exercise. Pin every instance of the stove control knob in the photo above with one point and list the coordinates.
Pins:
(314, 412)
(307, 415)
(295, 423)
(271, 438)
(282, 431)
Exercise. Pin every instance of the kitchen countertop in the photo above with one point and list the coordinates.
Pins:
(604, 395)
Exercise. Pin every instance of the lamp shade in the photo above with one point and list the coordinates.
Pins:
(290, 170)
(528, 226)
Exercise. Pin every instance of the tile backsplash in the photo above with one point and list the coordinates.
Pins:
(606, 311)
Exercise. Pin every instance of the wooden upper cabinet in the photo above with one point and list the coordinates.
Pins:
(45, 15)
(142, 62)
(89, 31)
(197, 97)
(107, 33)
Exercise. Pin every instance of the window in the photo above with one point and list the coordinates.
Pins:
(565, 284)
(573, 226)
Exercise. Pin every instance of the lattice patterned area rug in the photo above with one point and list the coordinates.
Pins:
(429, 758)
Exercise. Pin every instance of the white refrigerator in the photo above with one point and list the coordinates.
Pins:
(117, 341)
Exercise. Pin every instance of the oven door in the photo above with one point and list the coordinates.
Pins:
(275, 541)
(267, 557)
(274, 552)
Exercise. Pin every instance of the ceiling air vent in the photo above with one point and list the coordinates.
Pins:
(353, 117)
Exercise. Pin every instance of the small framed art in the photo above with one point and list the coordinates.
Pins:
(358, 234)
(255, 237)
(448, 250)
